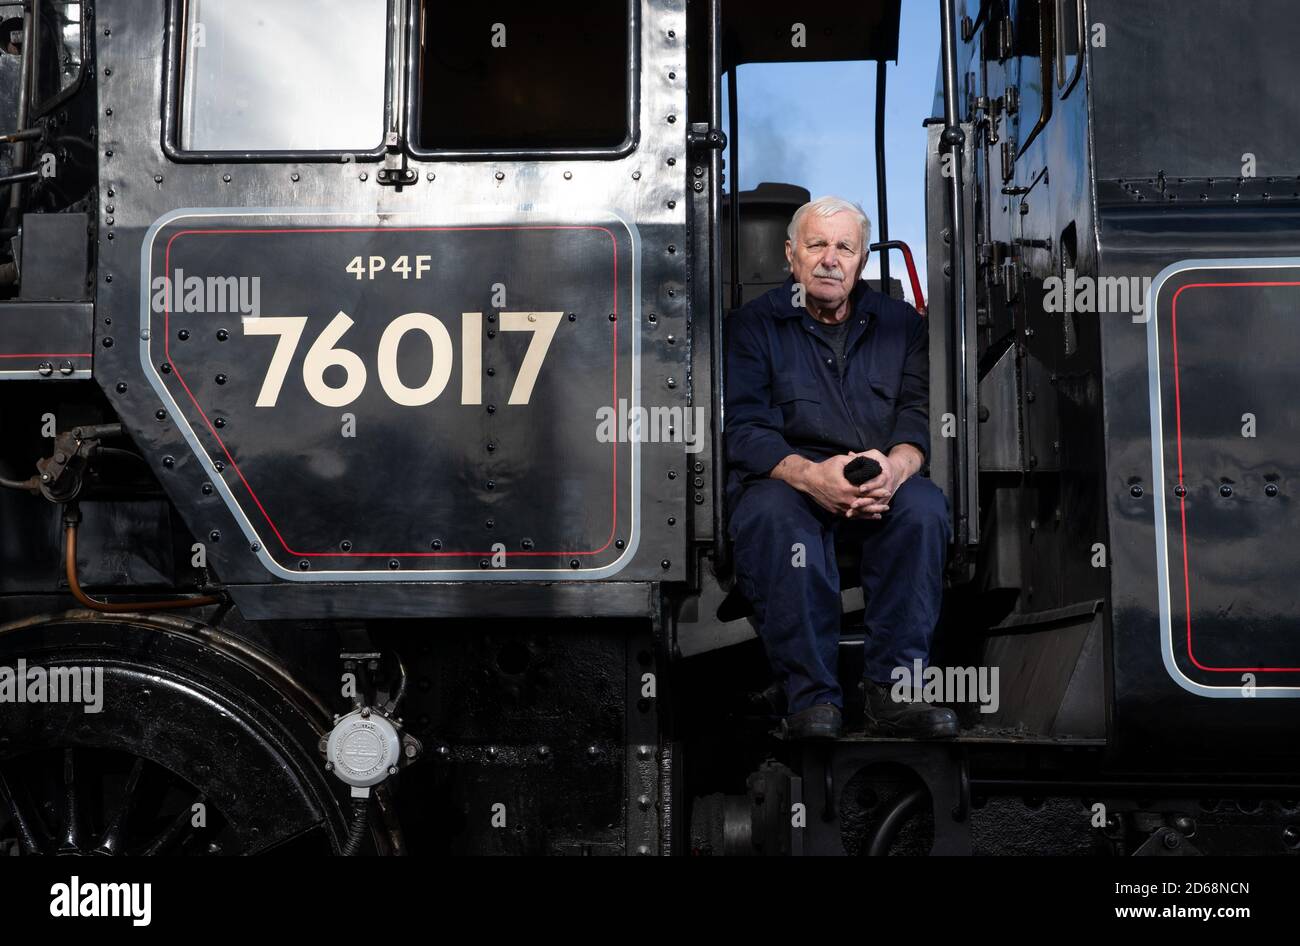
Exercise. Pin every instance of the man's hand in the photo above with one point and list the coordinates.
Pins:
(895, 469)
(824, 481)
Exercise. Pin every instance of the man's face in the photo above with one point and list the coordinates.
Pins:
(826, 257)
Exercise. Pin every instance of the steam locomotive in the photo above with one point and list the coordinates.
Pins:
(361, 430)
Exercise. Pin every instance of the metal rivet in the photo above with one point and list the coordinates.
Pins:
(1180, 490)
(363, 176)
(107, 342)
(672, 520)
(568, 175)
(345, 545)
(573, 563)
(304, 565)
(1270, 489)
(157, 179)
(501, 175)
(294, 177)
(160, 414)
(169, 462)
(221, 379)
(45, 369)
(121, 387)
(214, 536)
(207, 489)
(636, 175)
(665, 564)
(436, 544)
(1135, 491)
(1225, 491)
(225, 178)
(219, 422)
(393, 564)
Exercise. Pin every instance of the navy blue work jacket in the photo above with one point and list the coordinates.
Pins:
(784, 393)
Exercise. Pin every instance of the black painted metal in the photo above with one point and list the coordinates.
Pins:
(882, 189)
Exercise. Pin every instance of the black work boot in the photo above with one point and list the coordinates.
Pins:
(822, 721)
(910, 718)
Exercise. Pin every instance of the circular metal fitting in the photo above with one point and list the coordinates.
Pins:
(362, 748)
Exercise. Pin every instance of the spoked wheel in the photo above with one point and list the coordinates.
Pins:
(190, 751)
(105, 802)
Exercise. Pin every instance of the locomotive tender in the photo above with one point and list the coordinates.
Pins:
(361, 430)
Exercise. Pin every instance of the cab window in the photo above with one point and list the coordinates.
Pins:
(293, 75)
(506, 75)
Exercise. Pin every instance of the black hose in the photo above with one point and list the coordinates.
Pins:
(357, 831)
(883, 837)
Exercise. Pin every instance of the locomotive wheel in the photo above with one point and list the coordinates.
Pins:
(189, 718)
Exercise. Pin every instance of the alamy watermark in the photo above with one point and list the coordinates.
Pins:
(31, 684)
(1100, 294)
(658, 424)
(218, 295)
(946, 685)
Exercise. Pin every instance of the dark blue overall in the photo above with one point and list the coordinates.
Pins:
(785, 395)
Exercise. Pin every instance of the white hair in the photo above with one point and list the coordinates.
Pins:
(829, 207)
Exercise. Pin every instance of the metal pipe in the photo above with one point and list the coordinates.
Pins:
(24, 101)
(955, 141)
(70, 567)
(733, 118)
(717, 368)
(19, 178)
(27, 134)
(882, 193)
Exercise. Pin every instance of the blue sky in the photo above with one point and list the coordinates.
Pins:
(814, 124)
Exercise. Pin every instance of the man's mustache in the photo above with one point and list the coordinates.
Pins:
(835, 273)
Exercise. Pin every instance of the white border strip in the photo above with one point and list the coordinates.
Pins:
(1233, 691)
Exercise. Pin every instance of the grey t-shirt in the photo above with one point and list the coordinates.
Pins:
(838, 336)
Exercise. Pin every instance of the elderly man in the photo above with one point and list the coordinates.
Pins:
(819, 371)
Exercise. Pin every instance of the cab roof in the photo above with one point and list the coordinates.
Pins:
(765, 30)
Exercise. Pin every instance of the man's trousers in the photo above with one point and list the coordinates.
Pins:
(785, 563)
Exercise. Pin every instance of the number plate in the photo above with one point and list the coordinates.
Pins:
(400, 402)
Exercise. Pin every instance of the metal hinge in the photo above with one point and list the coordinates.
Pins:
(702, 136)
